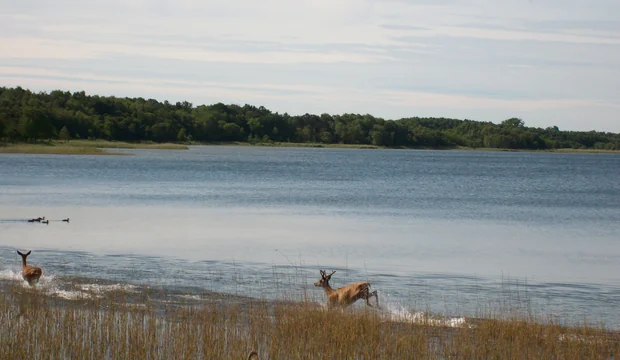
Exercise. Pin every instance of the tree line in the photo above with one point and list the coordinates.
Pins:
(28, 116)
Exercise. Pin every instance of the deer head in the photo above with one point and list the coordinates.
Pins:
(24, 256)
(324, 282)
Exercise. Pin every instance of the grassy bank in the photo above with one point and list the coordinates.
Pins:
(147, 325)
(51, 149)
(82, 147)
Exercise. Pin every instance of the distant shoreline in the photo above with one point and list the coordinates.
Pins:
(83, 147)
(98, 147)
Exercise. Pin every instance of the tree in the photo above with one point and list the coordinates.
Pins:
(29, 116)
(513, 123)
(64, 134)
(182, 135)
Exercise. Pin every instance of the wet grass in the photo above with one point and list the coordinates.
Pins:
(147, 324)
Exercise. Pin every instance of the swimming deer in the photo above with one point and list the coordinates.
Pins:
(30, 273)
(346, 295)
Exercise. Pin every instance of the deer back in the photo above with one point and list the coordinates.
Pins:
(350, 293)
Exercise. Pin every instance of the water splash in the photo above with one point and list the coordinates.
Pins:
(101, 289)
(398, 313)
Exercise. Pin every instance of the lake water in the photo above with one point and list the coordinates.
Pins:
(452, 232)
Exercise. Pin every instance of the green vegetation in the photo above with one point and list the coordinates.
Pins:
(27, 117)
(151, 324)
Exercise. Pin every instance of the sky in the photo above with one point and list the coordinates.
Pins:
(548, 62)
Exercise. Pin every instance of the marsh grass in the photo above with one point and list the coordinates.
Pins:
(147, 324)
(82, 147)
(44, 148)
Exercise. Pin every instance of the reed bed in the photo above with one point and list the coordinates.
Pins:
(51, 149)
(83, 147)
(147, 325)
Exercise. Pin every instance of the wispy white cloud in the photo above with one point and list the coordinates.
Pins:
(548, 61)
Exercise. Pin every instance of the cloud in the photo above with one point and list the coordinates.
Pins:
(392, 58)
(276, 91)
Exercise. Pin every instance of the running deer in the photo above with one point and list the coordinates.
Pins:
(346, 295)
(30, 273)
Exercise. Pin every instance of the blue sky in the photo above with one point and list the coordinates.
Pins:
(549, 62)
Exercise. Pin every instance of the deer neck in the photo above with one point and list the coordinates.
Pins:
(328, 289)
(24, 262)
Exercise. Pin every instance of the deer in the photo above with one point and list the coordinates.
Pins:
(30, 273)
(346, 295)
(253, 355)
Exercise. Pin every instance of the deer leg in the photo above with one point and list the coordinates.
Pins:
(374, 293)
(366, 296)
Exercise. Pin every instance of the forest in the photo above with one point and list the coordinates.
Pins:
(26, 116)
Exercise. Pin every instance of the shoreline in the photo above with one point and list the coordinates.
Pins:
(98, 147)
(83, 147)
(373, 147)
(121, 320)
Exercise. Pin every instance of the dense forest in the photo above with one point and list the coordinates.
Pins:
(26, 116)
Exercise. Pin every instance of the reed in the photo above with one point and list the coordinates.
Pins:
(59, 149)
(83, 147)
(147, 325)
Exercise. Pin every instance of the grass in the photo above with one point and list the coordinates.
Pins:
(83, 147)
(147, 325)
(51, 149)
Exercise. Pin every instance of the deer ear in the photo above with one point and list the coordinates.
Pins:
(19, 252)
(28, 253)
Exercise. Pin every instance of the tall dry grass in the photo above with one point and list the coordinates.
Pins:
(122, 325)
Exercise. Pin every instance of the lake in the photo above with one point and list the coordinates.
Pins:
(453, 232)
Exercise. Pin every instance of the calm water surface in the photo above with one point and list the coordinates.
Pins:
(456, 232)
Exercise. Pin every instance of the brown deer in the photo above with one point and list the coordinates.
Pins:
(346, 295)
(30, 273)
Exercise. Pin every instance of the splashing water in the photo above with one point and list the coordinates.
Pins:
(399, 313)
